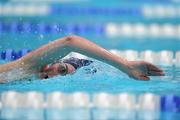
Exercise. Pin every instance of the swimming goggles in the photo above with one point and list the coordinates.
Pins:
(63, 68)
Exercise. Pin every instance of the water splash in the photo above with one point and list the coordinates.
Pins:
(106, 79)
(14, 74)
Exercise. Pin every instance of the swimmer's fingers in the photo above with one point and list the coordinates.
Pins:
(144, 77)
(155, 73)
(152, 67)
(140, 76)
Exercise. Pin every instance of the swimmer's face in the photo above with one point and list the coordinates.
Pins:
(54, 70)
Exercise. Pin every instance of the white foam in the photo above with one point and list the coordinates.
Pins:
(14, 74)
(77, 55)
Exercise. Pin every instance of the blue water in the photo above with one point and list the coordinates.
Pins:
(106, 79)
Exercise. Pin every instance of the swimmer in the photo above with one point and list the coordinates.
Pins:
(46, 61)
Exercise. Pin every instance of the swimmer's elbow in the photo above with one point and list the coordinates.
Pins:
(72, 39)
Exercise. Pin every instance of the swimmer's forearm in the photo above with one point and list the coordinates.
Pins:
(45, 54)
(88, 48)
(8, 66)
(35, 60)
(61, 47)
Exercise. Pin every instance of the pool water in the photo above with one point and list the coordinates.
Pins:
(88, 95)
(106, 79)
(88, 114)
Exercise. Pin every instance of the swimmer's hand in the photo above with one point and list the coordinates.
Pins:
(141, 70)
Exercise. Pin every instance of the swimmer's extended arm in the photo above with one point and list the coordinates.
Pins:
(61, 47)
(58, 49)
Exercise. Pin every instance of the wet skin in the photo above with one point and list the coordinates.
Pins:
(53, 70)
(144, 69)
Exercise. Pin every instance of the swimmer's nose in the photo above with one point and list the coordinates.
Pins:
(46, 68)
(49, 68)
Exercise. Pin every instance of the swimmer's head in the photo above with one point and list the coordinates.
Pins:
(54, 70)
